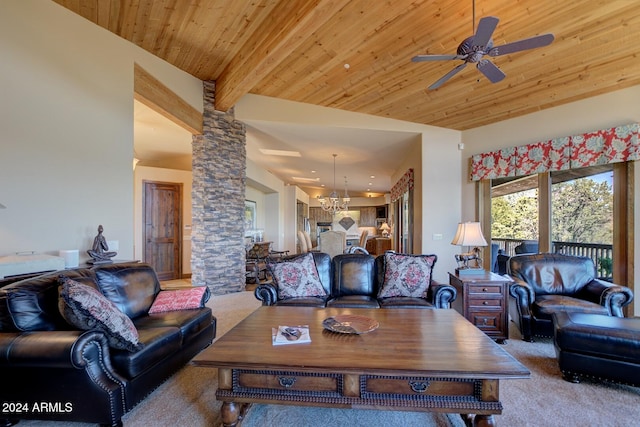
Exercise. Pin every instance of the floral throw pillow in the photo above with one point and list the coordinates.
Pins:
(297, 277)
(86, 308)
(406, 275)
(179, 299)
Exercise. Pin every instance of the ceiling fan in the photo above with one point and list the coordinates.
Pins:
(480, 44)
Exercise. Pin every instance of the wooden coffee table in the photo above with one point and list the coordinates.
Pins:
(417, 360)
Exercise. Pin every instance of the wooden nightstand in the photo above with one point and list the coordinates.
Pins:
(383, 244)
(483, 300)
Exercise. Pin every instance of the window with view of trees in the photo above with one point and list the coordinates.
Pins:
(581, 214)
(582, 210)
(515, 215)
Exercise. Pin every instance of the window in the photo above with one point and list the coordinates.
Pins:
(514, 212)
(582, 215)
(582, 212)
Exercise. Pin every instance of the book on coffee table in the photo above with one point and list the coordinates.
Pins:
(283, 335)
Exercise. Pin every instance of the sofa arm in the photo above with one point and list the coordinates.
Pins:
(267, 293)
(442, 295)
(613, 297)
(524, 296)
(521, 291)
(66, 366)
(56, 349)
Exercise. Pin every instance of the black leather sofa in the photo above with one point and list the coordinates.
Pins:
(353, 280)
(74, 374)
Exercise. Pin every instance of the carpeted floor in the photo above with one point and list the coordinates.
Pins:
(188, 398)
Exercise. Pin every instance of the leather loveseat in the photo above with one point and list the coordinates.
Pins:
(354, 281)
(544, 284)
(51, 370)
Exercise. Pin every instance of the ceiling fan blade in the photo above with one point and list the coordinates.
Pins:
(447, 76)
(530, 43)
(421, 58)
(486, 26)
(490, 71)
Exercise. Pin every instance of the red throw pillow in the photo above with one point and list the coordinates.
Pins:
(179, 299)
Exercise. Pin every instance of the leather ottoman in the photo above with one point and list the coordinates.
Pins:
(597, 346)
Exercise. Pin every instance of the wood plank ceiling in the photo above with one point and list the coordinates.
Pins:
(297, 50)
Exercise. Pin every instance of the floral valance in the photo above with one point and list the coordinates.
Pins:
(617, 144)
(402, 186)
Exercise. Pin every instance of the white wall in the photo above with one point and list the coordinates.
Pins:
(440, 204)
(66, 129)
(600, 112)
(269, 193)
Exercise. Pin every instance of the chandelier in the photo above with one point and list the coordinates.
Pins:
(335, 203)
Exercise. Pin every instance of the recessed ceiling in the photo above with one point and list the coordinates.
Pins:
(361, 153)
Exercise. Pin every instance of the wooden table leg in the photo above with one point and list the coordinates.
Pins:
(484, 421)
(232, 413)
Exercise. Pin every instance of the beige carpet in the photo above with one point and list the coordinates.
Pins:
(188, 398)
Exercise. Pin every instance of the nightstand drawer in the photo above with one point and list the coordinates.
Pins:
(485, 302)
(487, 321)
(484, 289)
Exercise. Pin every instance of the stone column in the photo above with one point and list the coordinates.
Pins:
(218, 192)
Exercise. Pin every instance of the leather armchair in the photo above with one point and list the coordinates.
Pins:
(544, 284)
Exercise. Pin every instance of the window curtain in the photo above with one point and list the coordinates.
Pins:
(617, 144)
(403, 185)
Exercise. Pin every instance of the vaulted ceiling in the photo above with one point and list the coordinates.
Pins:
(355, 55)
(298, 50)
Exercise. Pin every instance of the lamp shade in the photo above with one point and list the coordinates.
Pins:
(469, 234)
(385, 227)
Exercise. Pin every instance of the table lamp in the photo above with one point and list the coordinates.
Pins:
(469, 234)
(385, 229)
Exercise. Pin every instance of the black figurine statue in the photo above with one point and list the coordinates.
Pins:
(100, 252)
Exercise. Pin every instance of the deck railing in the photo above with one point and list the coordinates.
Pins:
(601, 254)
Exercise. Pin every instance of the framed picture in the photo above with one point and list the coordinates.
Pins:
(249, 217)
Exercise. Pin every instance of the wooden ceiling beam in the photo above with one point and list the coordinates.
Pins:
(152, 93)
(291, 25)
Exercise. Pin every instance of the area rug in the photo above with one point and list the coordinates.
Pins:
(298, 416)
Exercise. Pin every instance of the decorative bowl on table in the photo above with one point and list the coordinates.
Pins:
(350, 324)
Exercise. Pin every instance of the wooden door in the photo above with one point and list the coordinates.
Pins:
(162, 207)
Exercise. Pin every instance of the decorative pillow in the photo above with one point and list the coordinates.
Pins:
(406, 275)
(297, 277)
(179, 299)
(86, 308)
